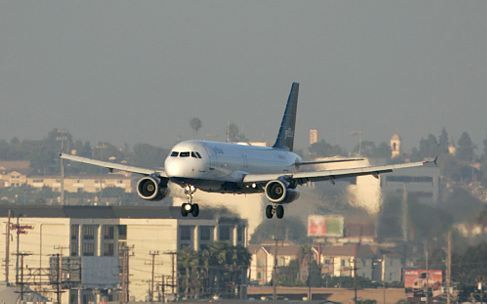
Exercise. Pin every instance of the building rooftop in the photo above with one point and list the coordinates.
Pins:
(282, 250)
(110, 212)
(360, 251)
(9, 165)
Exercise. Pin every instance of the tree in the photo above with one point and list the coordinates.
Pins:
(483, 164)
(323, 149)
(470, 265)
(217, 269)
(289, 275)
(370, 149)
(482, 218)
(465, 149)
(443, 142)
(195, 124)
(428, 147)
(484, 150)
(234, 134)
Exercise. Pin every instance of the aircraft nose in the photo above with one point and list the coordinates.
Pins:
(172, 168)
(186, 167)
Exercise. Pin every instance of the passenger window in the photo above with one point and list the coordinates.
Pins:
(198, 155)
(193, 154)
(174, 154)
(184, 154)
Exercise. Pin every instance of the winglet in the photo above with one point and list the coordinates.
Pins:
(433, 161)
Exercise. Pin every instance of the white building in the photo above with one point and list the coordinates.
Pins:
(313, 136)
(96, 239)
(361, 191)
(346, 260)
(262, 264)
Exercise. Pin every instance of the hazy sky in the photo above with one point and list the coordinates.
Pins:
(137, 71)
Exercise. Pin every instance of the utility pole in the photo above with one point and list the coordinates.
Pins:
(125, 253)
(161, 290)
(153, 265)
(17, 251)
(58, 277)
(310, 257)
(405, 224)
(274, 271)
(62, 137)
(173, 255)
(7, 247)
(19, 230)
(448, 268)
(355, 268)
(355, 279)
(426, 256)
(21, 282)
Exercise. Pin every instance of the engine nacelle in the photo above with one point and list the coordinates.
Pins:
(277, 191)
(152, 188)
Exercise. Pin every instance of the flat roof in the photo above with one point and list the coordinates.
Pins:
(111, 212)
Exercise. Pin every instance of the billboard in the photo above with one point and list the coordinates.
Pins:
(100, 272)
(69, 269)
(422, 279)
(325, 225)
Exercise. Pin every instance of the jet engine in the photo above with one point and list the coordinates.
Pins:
(152, 188)
(278, 191)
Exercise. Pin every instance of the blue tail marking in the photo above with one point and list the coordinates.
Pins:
(285, 137)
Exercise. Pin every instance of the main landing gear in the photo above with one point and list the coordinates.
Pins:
(270, 210)
(190, 207)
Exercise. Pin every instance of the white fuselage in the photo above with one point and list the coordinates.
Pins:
(218, 166)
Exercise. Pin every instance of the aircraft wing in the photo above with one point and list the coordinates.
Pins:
(307, 176)
(112, 166)
(326, 161)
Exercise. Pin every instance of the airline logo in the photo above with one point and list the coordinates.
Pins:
(288, 133)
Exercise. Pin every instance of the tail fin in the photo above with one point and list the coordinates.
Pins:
(285, 137)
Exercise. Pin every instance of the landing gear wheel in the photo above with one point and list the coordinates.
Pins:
(279, 211)
(184, 212)
(186, 209)
(269, 211)
(195, 210)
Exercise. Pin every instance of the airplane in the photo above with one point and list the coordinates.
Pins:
(224, 167)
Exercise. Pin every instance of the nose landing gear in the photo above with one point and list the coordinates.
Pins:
(190, 207)
(278, 210)
(187, 208)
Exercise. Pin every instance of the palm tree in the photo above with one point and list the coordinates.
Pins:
(187, 261)
(195, 124)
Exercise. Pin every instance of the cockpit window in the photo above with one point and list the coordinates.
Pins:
(174, 154)
(198, 155)
(193, 154)
(184, 154)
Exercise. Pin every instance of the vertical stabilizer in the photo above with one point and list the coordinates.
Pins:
(285, 137)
